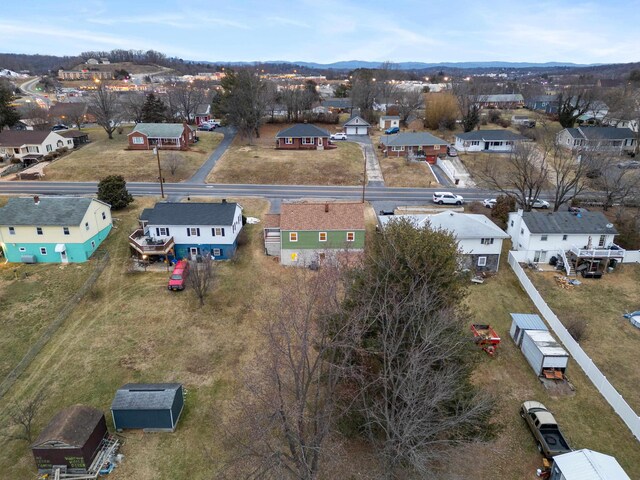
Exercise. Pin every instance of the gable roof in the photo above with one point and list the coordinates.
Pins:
(390, 117)
(72, 426)
(542, 98)
(589, 465)
(587, 223)
(503, 97)
(491, 135)
(300, 130)
(145, 396)
(600, 133)
(194, 214)
(203, 109)
(17, 138)
(159, 130)
(64, 211)
(314, 217)
(337, 103)
(412, 139)
(528, 321)
(461, 225)
(357, 120)
(63, 109)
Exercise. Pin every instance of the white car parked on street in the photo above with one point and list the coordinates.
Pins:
(447, 197)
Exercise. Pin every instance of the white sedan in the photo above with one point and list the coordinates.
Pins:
(489, 202)
(537, 203)
(338, 136)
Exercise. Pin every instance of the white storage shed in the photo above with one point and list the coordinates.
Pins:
(543, 352)
(586, 465)
(521, 322)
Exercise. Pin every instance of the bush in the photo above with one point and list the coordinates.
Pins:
(577, 328)
(494, 116)
(113, 190)
(504, 205)
(505, 122)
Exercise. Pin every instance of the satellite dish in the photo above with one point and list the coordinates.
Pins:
(609, 225)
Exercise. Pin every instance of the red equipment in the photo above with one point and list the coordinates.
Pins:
(485, 337)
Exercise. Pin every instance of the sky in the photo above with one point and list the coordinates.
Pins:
(325, 31)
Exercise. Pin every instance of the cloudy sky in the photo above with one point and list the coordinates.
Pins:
(602, 31)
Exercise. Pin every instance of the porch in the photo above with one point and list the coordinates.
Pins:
(145, 245)
(592, 262)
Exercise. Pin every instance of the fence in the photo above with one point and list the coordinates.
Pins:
(611, 395)
(10, 379)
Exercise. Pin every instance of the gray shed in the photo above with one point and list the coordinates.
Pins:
(153, 407)
(524, 321)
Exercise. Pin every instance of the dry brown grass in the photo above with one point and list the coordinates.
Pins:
(104, 157)
(261, 163)
(611, 341)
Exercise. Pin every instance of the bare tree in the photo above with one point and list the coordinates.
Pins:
(21, 417)
(173, 161)
(441, 111)
(364, 91)
(408, 102)
(201, 277)
(105, 106)
(132, 105)
(570, 104)
(187, 98)
(615, 184)
(567, 174)
(466, 92)
(287, 406)
(387, 88)
(37, 115)
(523, 174)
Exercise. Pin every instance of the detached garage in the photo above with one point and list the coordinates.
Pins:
(357, 126)
(152, 407)
(71, 439)
(521, 322)
(543, 352)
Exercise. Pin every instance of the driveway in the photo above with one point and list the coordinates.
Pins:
(374, 174)
(203, 172)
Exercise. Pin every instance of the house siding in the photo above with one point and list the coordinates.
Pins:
(227, 251)
(298, 145)
(186, 138)
(308, 248)
(430, 151)
(142, 419)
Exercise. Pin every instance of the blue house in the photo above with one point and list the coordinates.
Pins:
(53, 229)
(152, 407)
(189, 230)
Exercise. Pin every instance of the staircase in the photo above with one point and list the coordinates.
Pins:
(565, 262)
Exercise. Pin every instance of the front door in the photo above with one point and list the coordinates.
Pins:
(540, 256)
(193, 252)
(486, 145)
(63, 257)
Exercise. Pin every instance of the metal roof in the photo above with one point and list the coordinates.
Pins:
(412, 139)
(159, 130)
(589, 465)
(528, 321)
(491, 135)
(390, 117)
(300, 130)
(194, 214)
(546, 343)
(64, 211)
(145, 396)
(587, 223)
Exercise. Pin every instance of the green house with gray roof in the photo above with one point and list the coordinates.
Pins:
(53, 229)
(165, 136)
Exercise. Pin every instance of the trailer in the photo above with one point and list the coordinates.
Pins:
(543, 352)
(485, 337)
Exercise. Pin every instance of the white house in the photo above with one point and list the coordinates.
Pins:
(597, 139)
(357, 126)
(479, 239)
(389, 121)
(189, 230)
(586, 464)
(618, 122)
(31, 145)
(582, 241)
(487, 141)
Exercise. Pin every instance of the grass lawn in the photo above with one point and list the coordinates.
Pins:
(261, 163)
(611, 341)
(104, 157)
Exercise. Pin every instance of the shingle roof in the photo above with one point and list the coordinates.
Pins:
(203, 109)
(543, 98)
(357, 120)
(145, 396)
(605, 133)
(159, 130)
(412, 139)
(461, 225)
(72, 426)
(313, 217)
(63, 109)
(528, 321)
(64, 211)
(300, 130)
(491, 135)
(588, 223)
(73, 134)
(504, 97)
(390, 117)
(175, 213)
(16, 138)
(337, 103)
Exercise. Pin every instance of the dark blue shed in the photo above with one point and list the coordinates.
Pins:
(153, 407)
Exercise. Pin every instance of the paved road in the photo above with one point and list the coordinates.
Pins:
(203, 172)
(374, 173)
(28, 88)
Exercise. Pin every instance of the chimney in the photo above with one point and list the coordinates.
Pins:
(36, 199)
(224, 200)
(326, 208)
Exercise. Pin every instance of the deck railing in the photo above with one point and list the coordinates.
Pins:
(145, 245)
(614, 252)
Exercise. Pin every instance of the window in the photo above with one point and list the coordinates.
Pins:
(216, 252)
(543, 238)
(482, 261)
(86, 226)
(293, 236)
(43, 250)
(93, 244)
(288, 141)
(522, 231)
(137, 140)
(49, 148)
(397, 149)
(486, 241)
(217, 231)
(12, 230)
(193, 232)
(603, 238)
(512, 223)
(322, 236)
(307, 141)
(162, 232)
(104, 216)
(351, 236)
(475, 143)
(564, 237)
(33, 149)
(39, 230)
(22, 249)
(65, 230)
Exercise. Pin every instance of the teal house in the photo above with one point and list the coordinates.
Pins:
(53, 229)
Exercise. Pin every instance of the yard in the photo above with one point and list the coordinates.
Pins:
(129, 328)
(610, 340)
(104, 157)
(261, 163)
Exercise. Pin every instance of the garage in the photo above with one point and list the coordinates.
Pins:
(357, 126)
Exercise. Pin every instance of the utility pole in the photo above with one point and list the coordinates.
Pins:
(156, 150)
(364, 176)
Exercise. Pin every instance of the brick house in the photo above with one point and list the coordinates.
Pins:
(303, 136)
(203, 113)
(422, 145)
(167, 136)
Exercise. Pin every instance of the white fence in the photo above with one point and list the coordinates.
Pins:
(611, 395)
(447, 168)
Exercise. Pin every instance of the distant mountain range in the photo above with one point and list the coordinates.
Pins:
(354, 64)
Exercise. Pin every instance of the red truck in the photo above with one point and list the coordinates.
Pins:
(178, 278)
